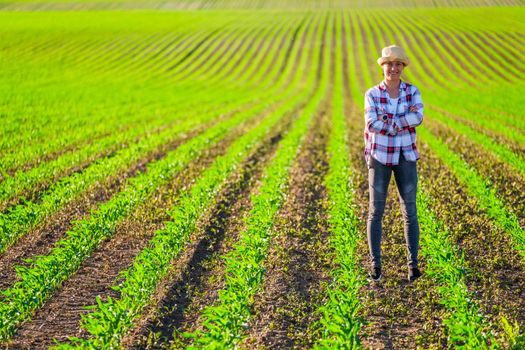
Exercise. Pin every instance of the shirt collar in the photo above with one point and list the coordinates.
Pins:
(402, 86)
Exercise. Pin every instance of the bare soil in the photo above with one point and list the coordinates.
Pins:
(59, 318)
(508, 182)
(197, 275)
(495, 272)
(40, 240)
(297, 266)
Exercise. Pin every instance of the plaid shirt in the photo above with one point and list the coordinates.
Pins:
(386, 134)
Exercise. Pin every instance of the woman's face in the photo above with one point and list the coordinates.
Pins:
(392, 70)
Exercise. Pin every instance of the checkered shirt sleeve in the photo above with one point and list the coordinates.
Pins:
(387, 135)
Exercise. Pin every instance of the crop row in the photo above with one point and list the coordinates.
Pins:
(503, 152)
(478, 188)
(25, 182)
(108, 322)
(340, 322)
(47, 273)
(255, 70)
(26, 215)
(21, 218)
(244, 270)
(110, 319)
(465, 326)
(123, 203)
(192, 91)
(43, 5)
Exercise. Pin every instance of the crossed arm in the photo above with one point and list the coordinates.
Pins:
(376, 123)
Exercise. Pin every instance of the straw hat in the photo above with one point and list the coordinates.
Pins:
(393, 53)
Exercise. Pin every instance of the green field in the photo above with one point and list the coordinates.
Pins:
(189, 174)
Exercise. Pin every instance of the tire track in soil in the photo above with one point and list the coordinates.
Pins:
(354, 40)
(196, 275)
(40, 240)
(297, 264)
(59, 318)
(495, 273)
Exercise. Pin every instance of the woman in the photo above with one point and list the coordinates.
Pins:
(393, 109)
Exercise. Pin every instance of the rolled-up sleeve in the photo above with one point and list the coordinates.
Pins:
(412, 119)
(374, 122)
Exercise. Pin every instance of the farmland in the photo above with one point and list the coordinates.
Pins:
(190, 174)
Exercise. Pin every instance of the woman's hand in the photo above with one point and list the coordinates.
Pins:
(413, 109)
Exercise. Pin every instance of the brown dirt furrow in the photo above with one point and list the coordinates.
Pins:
(248, 62)
(297, 266)
(491, 63)
(245, 53)
(495, 272)
(47, 157)
(443, 46)
(510, 40)
(397, 314)
(208, 49)
(366, 42)
(197, 275)
(496, 52)
(303, 48)
(499, 138)
(40, 240)
(182, 298)
(34, 193)
(283, 310)
(173, 43)
(233, 38)
(280, 46)
(516, 38)
(353, 43)
(59, 318)
(235, 45)
(272, 42)
(508, 182)
(212, 52)
(177, 49)
(459, 52)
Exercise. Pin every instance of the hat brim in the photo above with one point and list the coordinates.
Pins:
(382, 60)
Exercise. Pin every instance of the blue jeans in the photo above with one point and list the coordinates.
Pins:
(379, 176)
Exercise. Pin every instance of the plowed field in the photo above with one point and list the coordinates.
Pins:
(190, 174)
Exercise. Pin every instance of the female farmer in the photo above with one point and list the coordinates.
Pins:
(393, 109)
